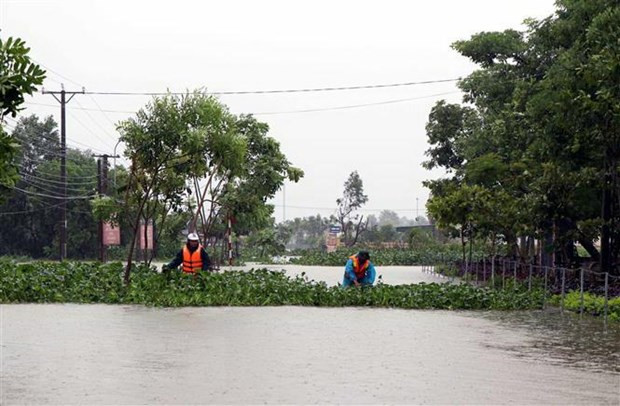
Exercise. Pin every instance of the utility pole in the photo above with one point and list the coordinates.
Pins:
(63, 163)
(100, 225)
(102, 182)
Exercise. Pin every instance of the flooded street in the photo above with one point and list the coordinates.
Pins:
(100, 354)
(332, 275)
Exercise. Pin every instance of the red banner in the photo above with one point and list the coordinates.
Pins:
(111, 234)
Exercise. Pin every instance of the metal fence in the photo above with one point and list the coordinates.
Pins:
(500, 273)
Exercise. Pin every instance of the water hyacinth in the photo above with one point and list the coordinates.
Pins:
(43, 282)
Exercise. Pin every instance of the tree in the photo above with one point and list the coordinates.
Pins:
(18, 76)
(169, 142)
(539, 136)
(190, 153)
(307, 232)
(351, 223)
(29, 225)
(264, 170)
(389, 217)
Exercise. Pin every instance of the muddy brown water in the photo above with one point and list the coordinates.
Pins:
(100, 354)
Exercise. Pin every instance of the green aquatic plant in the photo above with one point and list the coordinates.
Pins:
(74, 282)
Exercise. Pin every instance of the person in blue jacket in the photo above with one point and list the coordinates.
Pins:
(359, 271)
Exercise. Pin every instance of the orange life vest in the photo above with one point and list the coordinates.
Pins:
(192, 261)
(360, 272)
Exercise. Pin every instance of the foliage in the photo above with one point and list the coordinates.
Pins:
(535, 152)
(353, 198)
(267, 242)
(94, 283)
(18, 76)
(29, 215)
(592, 304)
(307, 232)
(189, 153)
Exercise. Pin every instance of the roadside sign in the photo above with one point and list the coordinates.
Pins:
(111, 234)
(334, 229)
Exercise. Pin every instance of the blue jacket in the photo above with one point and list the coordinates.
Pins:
(349, 275)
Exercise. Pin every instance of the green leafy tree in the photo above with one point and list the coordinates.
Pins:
(29, 223)
(170, 141)
(352, 224)
(18, 76)
(540, 136)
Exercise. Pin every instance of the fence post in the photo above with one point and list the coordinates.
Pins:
(503, 274)
(484, 270)
(529, 277)
(515, 274)
(563, 290)
(581, 293)
(606, 289)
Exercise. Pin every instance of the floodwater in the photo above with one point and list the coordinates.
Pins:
(100, 354)
(332, 275)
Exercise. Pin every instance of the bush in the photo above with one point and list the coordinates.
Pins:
(592, 304)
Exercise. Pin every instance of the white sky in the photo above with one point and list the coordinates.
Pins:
(151, 46)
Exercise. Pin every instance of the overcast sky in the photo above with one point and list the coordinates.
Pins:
(151, 46)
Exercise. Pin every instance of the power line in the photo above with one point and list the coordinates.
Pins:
(354, 106)
(54, 175)
(313, 110)
(55, 193)
(277, 91)
(28, 192)
(57, 73)
(51, 153)
(272, 91)
(36, 182)
(101, 110)
(90, 131)
(72, 183)
(85, 108)
(95, 121)
(70, 142)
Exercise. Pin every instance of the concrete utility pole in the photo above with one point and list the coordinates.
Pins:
(63, 163)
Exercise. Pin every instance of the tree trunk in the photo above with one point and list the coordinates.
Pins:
(132, 245)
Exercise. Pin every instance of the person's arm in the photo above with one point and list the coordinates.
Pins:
(178, 260)
(206, 263)
(349, 273)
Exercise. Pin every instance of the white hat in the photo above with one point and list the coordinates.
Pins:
(193, 237)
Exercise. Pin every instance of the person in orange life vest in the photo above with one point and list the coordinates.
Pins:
(359, 271)
(193, 257)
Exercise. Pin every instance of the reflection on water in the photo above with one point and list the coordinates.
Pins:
(97, 354)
